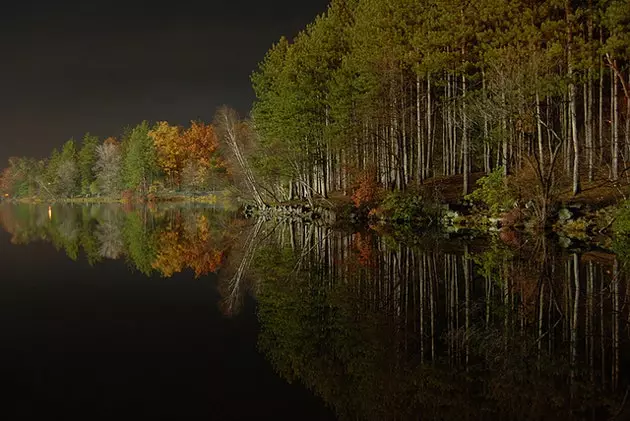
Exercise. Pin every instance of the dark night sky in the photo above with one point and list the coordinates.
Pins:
(76, 66)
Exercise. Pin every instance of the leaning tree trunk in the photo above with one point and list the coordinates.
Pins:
(228, 122)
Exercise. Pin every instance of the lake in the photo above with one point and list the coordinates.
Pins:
(182, 311)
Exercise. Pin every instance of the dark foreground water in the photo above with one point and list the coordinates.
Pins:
(105, 341)
(183, 312)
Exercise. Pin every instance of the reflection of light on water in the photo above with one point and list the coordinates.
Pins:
(49, 213)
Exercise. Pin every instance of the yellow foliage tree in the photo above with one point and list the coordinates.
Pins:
(171, 150)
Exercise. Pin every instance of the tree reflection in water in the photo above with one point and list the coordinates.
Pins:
(151, 240)
(498, 328)
(444, 329)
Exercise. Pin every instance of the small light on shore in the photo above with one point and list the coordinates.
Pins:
(49, 213)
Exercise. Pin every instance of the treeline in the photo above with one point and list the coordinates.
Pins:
(395, 92)
(146, 159)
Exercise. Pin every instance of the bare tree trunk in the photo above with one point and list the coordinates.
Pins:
(228, 123)
(505, 160)
(601, 103)
(448, 151)
(614, 127)
(572, 100)
(588, 124)
(541, 154)
(627, 137)
(420, 162)
(588, 109)
(486, 145)
(465, 146)
(429, 170)
(446, 128)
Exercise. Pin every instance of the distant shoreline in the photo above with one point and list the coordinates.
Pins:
(208, 198)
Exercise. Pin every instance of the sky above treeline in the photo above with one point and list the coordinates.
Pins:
(76, 66)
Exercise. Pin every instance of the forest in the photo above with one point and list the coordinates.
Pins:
(375, 97)
(395, 93)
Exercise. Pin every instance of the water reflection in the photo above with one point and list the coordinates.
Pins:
(165, 241)
(498, 328)
(444, 330)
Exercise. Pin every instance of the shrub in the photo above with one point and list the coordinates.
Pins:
(399, 207)
(94, 189)
(621, 225)
(128, 196)
(156, 187)
(367, 189)
(621, 231)
(493, 193)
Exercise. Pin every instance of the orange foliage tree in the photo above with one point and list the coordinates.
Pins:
(364, 250)
(200, 144)
(367, 190)
(179, 248)
(187, 155)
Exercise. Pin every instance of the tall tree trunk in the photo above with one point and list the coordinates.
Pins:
(429, 155)
(420, 162)
(465, 146)
(541, 154)
(614, 126)
(627, 137)
(572, 100)
(588, 112)
(588, 133)
(505, 158)
(601, 103)
(486, 141)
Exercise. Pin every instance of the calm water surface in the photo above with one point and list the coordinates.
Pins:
(191, 312)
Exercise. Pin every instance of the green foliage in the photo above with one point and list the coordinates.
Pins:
(140, 243)
(140, 158)
(616, 18)
(23, 177)
(87, 238)
(51, 167)
(66, 182)
(493, 193)
(408, 208)
(621, 231)
(621, 226)
(86, 161)
(493, 261)
(94, 189)
(156, 187)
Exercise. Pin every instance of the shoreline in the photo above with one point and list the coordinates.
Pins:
(407, 217)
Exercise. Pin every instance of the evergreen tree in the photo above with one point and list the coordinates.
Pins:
(86, 161)
(140, 159)
(67, 182)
